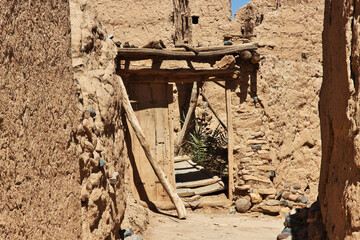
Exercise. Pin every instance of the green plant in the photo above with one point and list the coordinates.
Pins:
(208, 150)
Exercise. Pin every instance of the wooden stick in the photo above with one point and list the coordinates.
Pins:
(219, 84)
(192, 106)
(130, 114)
(187, 48)
(230, 136)
(213, 111)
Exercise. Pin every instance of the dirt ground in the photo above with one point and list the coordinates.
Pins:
(217, 224)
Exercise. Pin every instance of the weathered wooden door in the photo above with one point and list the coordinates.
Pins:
(152, 103)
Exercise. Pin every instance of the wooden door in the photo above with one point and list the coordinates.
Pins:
(152, 103)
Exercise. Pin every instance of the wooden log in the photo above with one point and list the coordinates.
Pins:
(181, 158)
(230, 135)
(198, 183)
(130, 114)
(245, 55)
(192, 106)
(213, 111)
(202, 204)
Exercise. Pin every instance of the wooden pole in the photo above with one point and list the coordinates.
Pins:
(213, 111)
(230, 136)
(130, 114)
(192, 106)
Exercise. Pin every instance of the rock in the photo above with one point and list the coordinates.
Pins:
(253, 178)
(286, 195)
(95, 195)
(283, 236)
(255, 198)
(110, 36)
(99, 146)
(291, 204)
(86, 114)
(271, 173)
(87, 126)
(243, 187)
(293, 197)
(287, 186)
(88, 147)
(284, 211)
(242, 205)
(94, 179)
(270, 209)
(284, 203)
(303, 199)
(297, 186)
(272, 196)
(267, 191)
(272, 203)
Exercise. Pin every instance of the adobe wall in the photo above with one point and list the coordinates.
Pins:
(339, 114)
(143, 21)
(39, 172)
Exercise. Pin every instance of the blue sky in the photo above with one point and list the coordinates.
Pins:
(236, 4)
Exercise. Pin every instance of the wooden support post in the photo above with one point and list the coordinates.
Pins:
(213, 111)
(192, 106)
(130, 114)
(230, 136)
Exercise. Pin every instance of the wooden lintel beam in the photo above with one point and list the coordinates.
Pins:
(145, 53)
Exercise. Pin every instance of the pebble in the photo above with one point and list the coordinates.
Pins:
(101, 162)
(278, 195)
(297, 186)
(92, 112)
(286, 230)
(114, 177)
(110, 36)
(242, 205)
(271, 173)
(303, 199)
(287, 186)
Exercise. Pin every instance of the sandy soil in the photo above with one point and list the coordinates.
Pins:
(214, 224)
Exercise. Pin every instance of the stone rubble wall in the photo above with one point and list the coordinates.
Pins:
(100, 135)
(278, 137)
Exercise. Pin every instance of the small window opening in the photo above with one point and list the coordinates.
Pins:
(195, 19)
